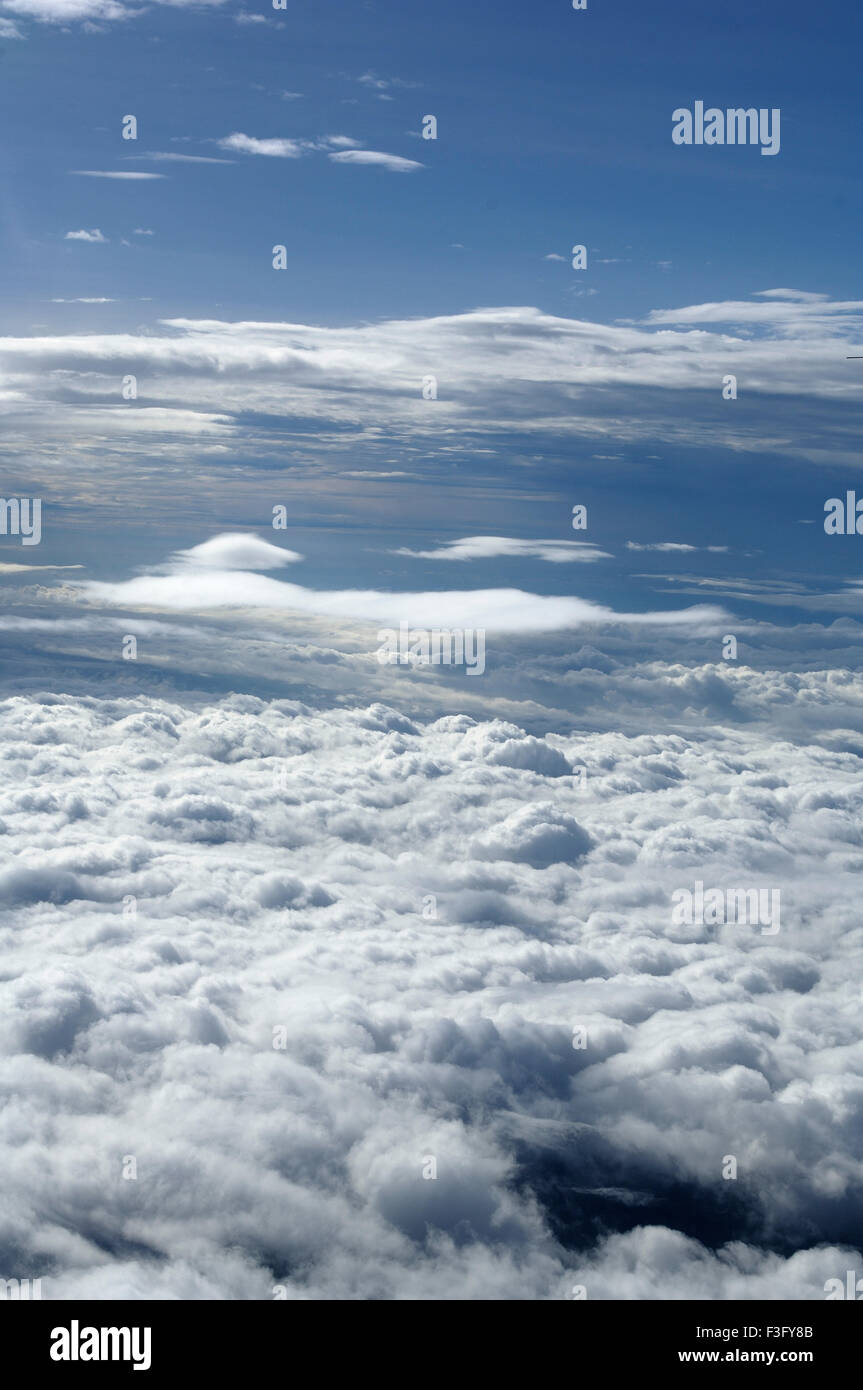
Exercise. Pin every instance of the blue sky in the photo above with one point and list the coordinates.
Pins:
(554, 129)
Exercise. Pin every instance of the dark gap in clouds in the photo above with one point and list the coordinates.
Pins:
(114, 1244)
(626, 1195)
(279, 1264)
(595, 1192)
(20, 1261)
(823, 1220)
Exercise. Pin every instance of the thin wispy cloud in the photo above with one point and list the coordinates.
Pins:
(509, 547)
(673, 545)
(87, 12)
(396, 164)
(792, 309)
(114, 174)
(7, 567)
(168, 156)
(383, 84)
(499, 369)
(67, 11)
(803, 296)
(283, 148)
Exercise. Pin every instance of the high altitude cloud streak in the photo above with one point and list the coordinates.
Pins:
(115, 174)
(497, 370)
(494, 547)
(281, 148)
(396, 164)
(69, 11)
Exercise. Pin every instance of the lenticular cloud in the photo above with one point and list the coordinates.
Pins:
(338, 1004)
(222, 573)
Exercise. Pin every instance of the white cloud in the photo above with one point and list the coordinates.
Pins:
(114, 174)
(500, 370)
(279, 859)
(493, 547)
(660, 545)
(274, 148)
(675, 545)
(168, 156)
(372, 473)
(136, 419)
(6, 568)
(394, 162)
(212, 576)
(67, 11)
(803, 296)
(787, 310)
(497, 610)
(95, 235)
(382, 84)
(88, 11)
(237, 551)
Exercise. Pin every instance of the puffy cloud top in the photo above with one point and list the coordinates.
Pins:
(390, 1008)
(236, 551)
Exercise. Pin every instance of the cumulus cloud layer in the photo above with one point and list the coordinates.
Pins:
(289, 960)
